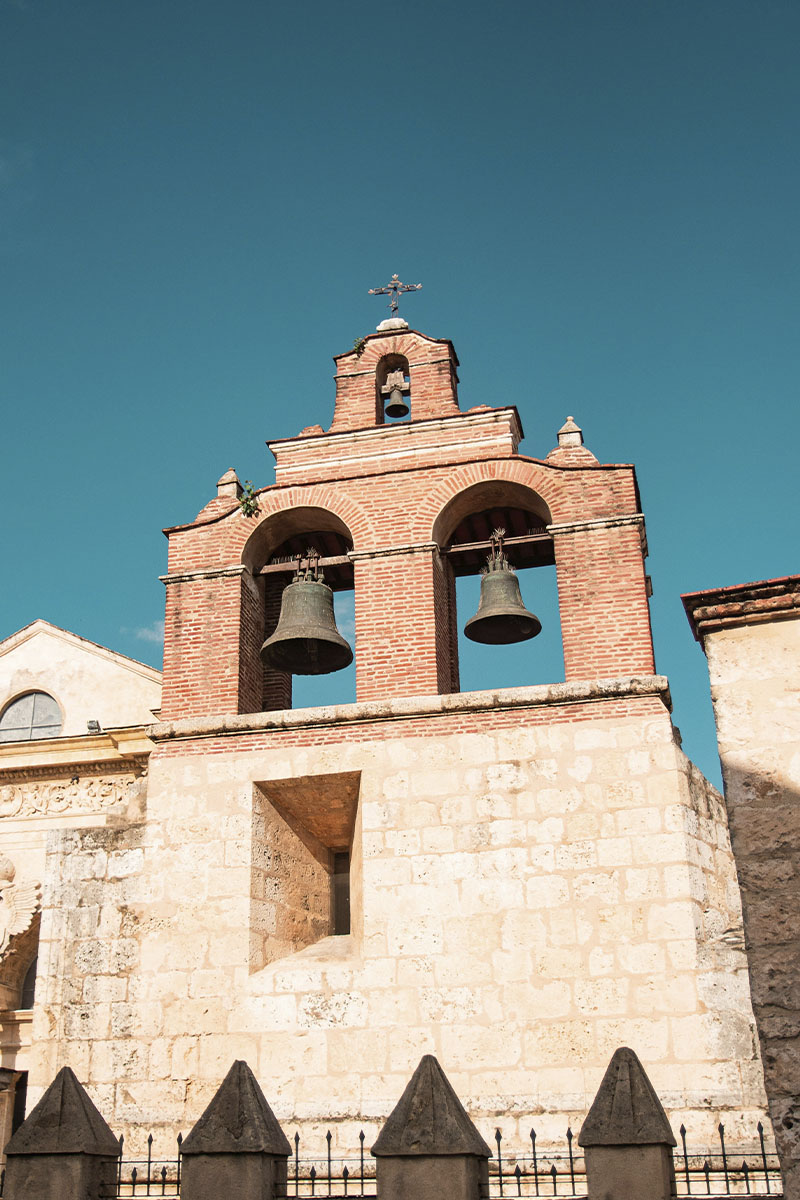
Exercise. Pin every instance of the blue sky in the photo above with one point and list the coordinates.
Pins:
(600, 199)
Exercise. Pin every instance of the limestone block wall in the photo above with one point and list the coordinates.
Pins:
(538, 876)
(751, 636)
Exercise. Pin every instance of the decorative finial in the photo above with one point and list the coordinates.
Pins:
(393, 289)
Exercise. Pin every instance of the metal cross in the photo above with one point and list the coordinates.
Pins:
(394, 288)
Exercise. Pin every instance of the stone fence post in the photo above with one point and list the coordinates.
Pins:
(626, 1136)
(429, 1148)
(64, 1150)
(237, 1150)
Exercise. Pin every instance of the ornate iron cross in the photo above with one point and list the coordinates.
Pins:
(394, 288)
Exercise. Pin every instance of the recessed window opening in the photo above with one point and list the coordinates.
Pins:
(28, 993)
(393, 389)
(527, 548)
(30, 717)
(340, 892)
(303, 843)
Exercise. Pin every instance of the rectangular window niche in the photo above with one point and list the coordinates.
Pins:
(302, 840)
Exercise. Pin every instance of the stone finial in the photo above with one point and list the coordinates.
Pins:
(392, 325)
(429, 1119)
(238, 1120)
(229, 485)
(626, 1110)
(570, 434)
(65, 1121)
(570, 451)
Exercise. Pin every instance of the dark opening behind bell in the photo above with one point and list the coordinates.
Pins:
(306, 640)
(394, 387)
(501, 618)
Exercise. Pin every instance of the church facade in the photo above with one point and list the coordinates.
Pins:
(516, 880)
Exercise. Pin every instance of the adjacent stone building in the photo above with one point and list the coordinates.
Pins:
(751, 636)
(73, 755)
(516, 880)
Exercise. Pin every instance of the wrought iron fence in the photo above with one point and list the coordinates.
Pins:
(531, 1171)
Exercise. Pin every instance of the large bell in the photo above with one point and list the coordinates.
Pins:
(395, 405)
(306, 640)
(501, 618)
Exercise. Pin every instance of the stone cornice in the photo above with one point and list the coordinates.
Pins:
(203, 573)
(115, 750)
(742, 604)
(347, 715)
(602, 523)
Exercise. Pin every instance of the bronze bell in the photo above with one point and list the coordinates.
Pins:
(306, 640)
(396, 405)
(501, 618)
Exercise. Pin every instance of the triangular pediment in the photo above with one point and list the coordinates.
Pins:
(44, 629)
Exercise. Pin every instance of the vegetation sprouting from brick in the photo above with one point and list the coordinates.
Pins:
(513, 1171)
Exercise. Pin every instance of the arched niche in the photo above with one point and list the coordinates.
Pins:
(392, 379)
(271, 555)
(292, 531)
(462, 530)
(512, 505)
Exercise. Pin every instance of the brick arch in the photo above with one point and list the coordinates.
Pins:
(343, 510)
(532, 476)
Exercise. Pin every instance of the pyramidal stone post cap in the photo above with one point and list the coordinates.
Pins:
(429, 1119)
(229, 485)
(570, 433)
(65, 1121)
(238, 1120)
(626, 1110)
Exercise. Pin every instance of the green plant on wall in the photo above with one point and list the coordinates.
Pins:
(358, 346)
(248, 501)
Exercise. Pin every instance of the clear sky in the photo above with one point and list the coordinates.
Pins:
(599, 197)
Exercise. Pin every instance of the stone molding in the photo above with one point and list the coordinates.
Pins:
(602, 523)
(391, 551)
(742, 604)
(204, 573)
(542, 695)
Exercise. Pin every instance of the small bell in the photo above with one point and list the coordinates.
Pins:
(501, 618)
(394, 387)
(306, 640)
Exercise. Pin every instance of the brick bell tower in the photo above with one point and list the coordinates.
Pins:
(517, 880)
(397, 508)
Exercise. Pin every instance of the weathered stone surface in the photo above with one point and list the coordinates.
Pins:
(751, 636)
(429, 1119)
(238, 1120)
(626, 1110)
(630, 1173)
(65, 1121)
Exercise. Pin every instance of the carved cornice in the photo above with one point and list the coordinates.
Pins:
(742, 604)
(58, 772)
(91, 793)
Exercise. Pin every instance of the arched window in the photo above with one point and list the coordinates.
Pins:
(463, 530)
(392, 388)
(272, 554)
(29, 986)
(29, 717)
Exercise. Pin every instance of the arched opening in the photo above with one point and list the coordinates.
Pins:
(392, 389)
(272, 555)
(28, 992)
(463, 530)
